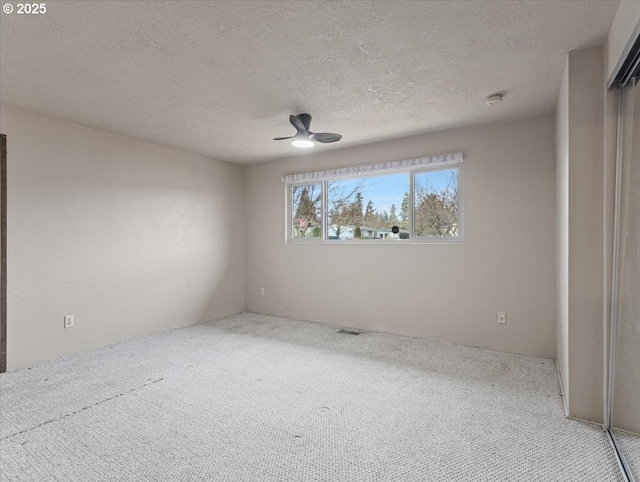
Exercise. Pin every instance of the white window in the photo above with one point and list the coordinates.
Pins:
(418, 200)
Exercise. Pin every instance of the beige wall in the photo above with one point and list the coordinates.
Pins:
(580, 234)
(449, 292)
(130, 237)
(586, 250)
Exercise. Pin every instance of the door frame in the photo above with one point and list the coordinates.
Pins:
(3, 253)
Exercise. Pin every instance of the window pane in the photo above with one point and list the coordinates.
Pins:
(436, 203)
(368, 208)
(307, 211)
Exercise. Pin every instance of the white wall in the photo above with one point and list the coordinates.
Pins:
(449, 292)
(581, 264)
(586, 250)
(130, 237)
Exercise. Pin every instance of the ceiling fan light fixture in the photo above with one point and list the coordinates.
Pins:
(305, 143)
(304, 137)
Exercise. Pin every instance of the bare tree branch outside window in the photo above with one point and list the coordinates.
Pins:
(436, 204)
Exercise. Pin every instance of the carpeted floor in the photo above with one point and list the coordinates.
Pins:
(629, 444)
(258, 398)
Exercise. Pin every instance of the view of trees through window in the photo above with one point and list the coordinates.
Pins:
(307, 211)
(436, 203)
(367, 208)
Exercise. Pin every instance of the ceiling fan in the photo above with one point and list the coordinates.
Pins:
(304, 137)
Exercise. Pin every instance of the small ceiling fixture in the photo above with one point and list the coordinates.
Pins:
(304, 137)
(494, 99)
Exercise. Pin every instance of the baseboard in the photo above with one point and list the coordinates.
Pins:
(591, 422)
(625, 431)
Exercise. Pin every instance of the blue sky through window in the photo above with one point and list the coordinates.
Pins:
(386, 190)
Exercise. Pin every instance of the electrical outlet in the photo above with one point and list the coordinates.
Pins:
(502, 317)
(68, 321)
(261, 291)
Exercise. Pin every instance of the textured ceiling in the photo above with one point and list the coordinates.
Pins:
(221, 78)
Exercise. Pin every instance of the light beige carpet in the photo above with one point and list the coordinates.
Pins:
(258, 398)
(629, 445)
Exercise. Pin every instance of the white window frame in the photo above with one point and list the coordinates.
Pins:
(412, 167)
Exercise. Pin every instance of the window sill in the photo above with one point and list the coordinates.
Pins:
(377, 243)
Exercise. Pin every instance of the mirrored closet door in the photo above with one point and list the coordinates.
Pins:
(624, 419)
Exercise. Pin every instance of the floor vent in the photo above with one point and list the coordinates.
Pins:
(348, 332)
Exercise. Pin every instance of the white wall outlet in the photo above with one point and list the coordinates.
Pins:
(502, 317)
(261, 291)
(68, 321)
